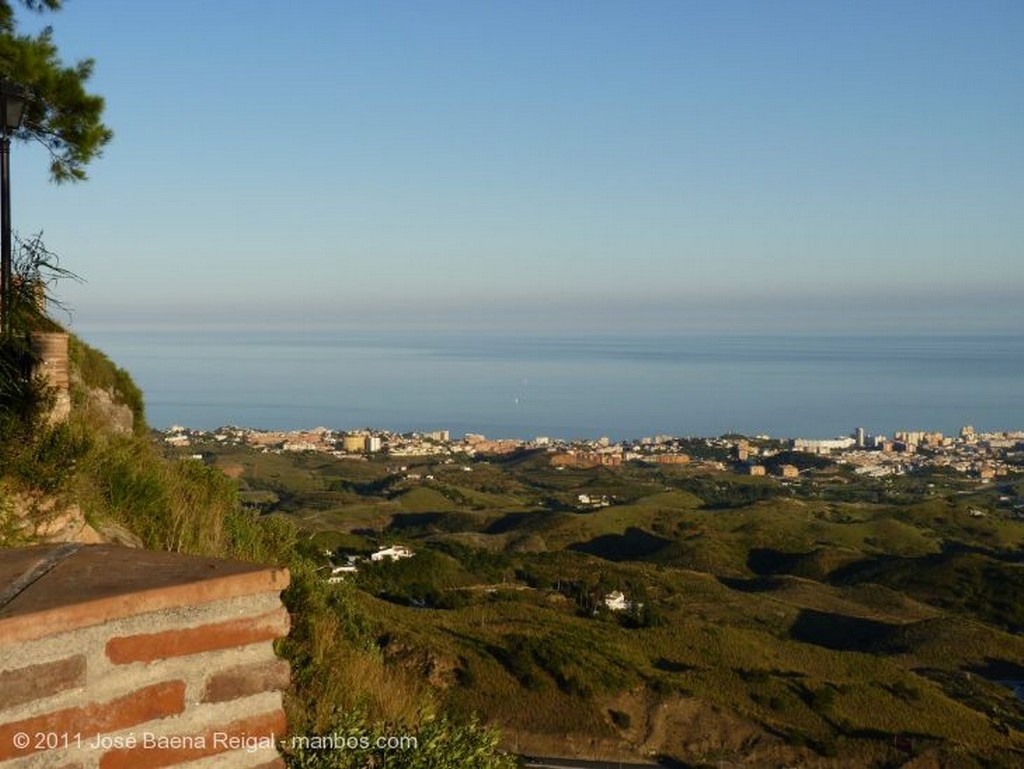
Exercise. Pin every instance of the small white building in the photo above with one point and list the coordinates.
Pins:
(393, 553)
(338, 573)
(617, 601)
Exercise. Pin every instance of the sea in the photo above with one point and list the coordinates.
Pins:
(623, 386)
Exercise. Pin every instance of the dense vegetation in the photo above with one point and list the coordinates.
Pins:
(60, 113)
(833, 618)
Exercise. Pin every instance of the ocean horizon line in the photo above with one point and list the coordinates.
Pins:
(579, 385)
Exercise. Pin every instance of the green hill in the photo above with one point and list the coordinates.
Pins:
(101, 467)
(765, 627)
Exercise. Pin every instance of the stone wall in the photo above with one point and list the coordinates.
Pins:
(117, 658)
(51, 352)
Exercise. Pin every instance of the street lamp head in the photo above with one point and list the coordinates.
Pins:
(12, 105)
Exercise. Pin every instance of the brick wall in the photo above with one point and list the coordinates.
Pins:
(118, 658)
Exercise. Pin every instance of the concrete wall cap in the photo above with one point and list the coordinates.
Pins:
(52, 589)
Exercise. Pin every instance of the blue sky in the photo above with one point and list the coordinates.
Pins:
(581, 164)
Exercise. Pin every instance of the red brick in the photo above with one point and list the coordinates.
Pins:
(43, 680)
(179, 643)
(246, 680)
(148, 704)
(182, 748)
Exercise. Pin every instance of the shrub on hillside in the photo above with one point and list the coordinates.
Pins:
(438, 743)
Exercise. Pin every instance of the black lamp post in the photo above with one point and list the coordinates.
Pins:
(12, 104)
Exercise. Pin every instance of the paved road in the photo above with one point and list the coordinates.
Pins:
(550, 762)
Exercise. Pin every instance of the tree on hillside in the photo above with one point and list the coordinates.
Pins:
(65, 119)
(60, 114)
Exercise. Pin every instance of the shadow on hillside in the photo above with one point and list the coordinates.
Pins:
(751, 585)
(878, 568)
(999, 670)
(840, 632)
(954, 557)
(960, 580)
(671, 666)
(401, 521)
(410, 524)
(764, 561)
(510, 522)
(633, 544)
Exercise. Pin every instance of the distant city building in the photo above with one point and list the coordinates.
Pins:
(859, 437)
(353, 444)
(789, 471)
(825, 446)
(910, 437)
(372, 444)
(672, 459)
(986, 472)
(300, 445)
(585, 459)
(755, 470)
(496, 447)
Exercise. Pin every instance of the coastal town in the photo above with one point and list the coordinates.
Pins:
(500, 562)
(981, 455)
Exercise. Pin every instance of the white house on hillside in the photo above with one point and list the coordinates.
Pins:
(616, 601)
(392, 553)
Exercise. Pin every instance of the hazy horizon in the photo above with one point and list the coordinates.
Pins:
(946, 313)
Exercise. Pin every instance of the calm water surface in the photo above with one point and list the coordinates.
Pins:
(626, 386)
